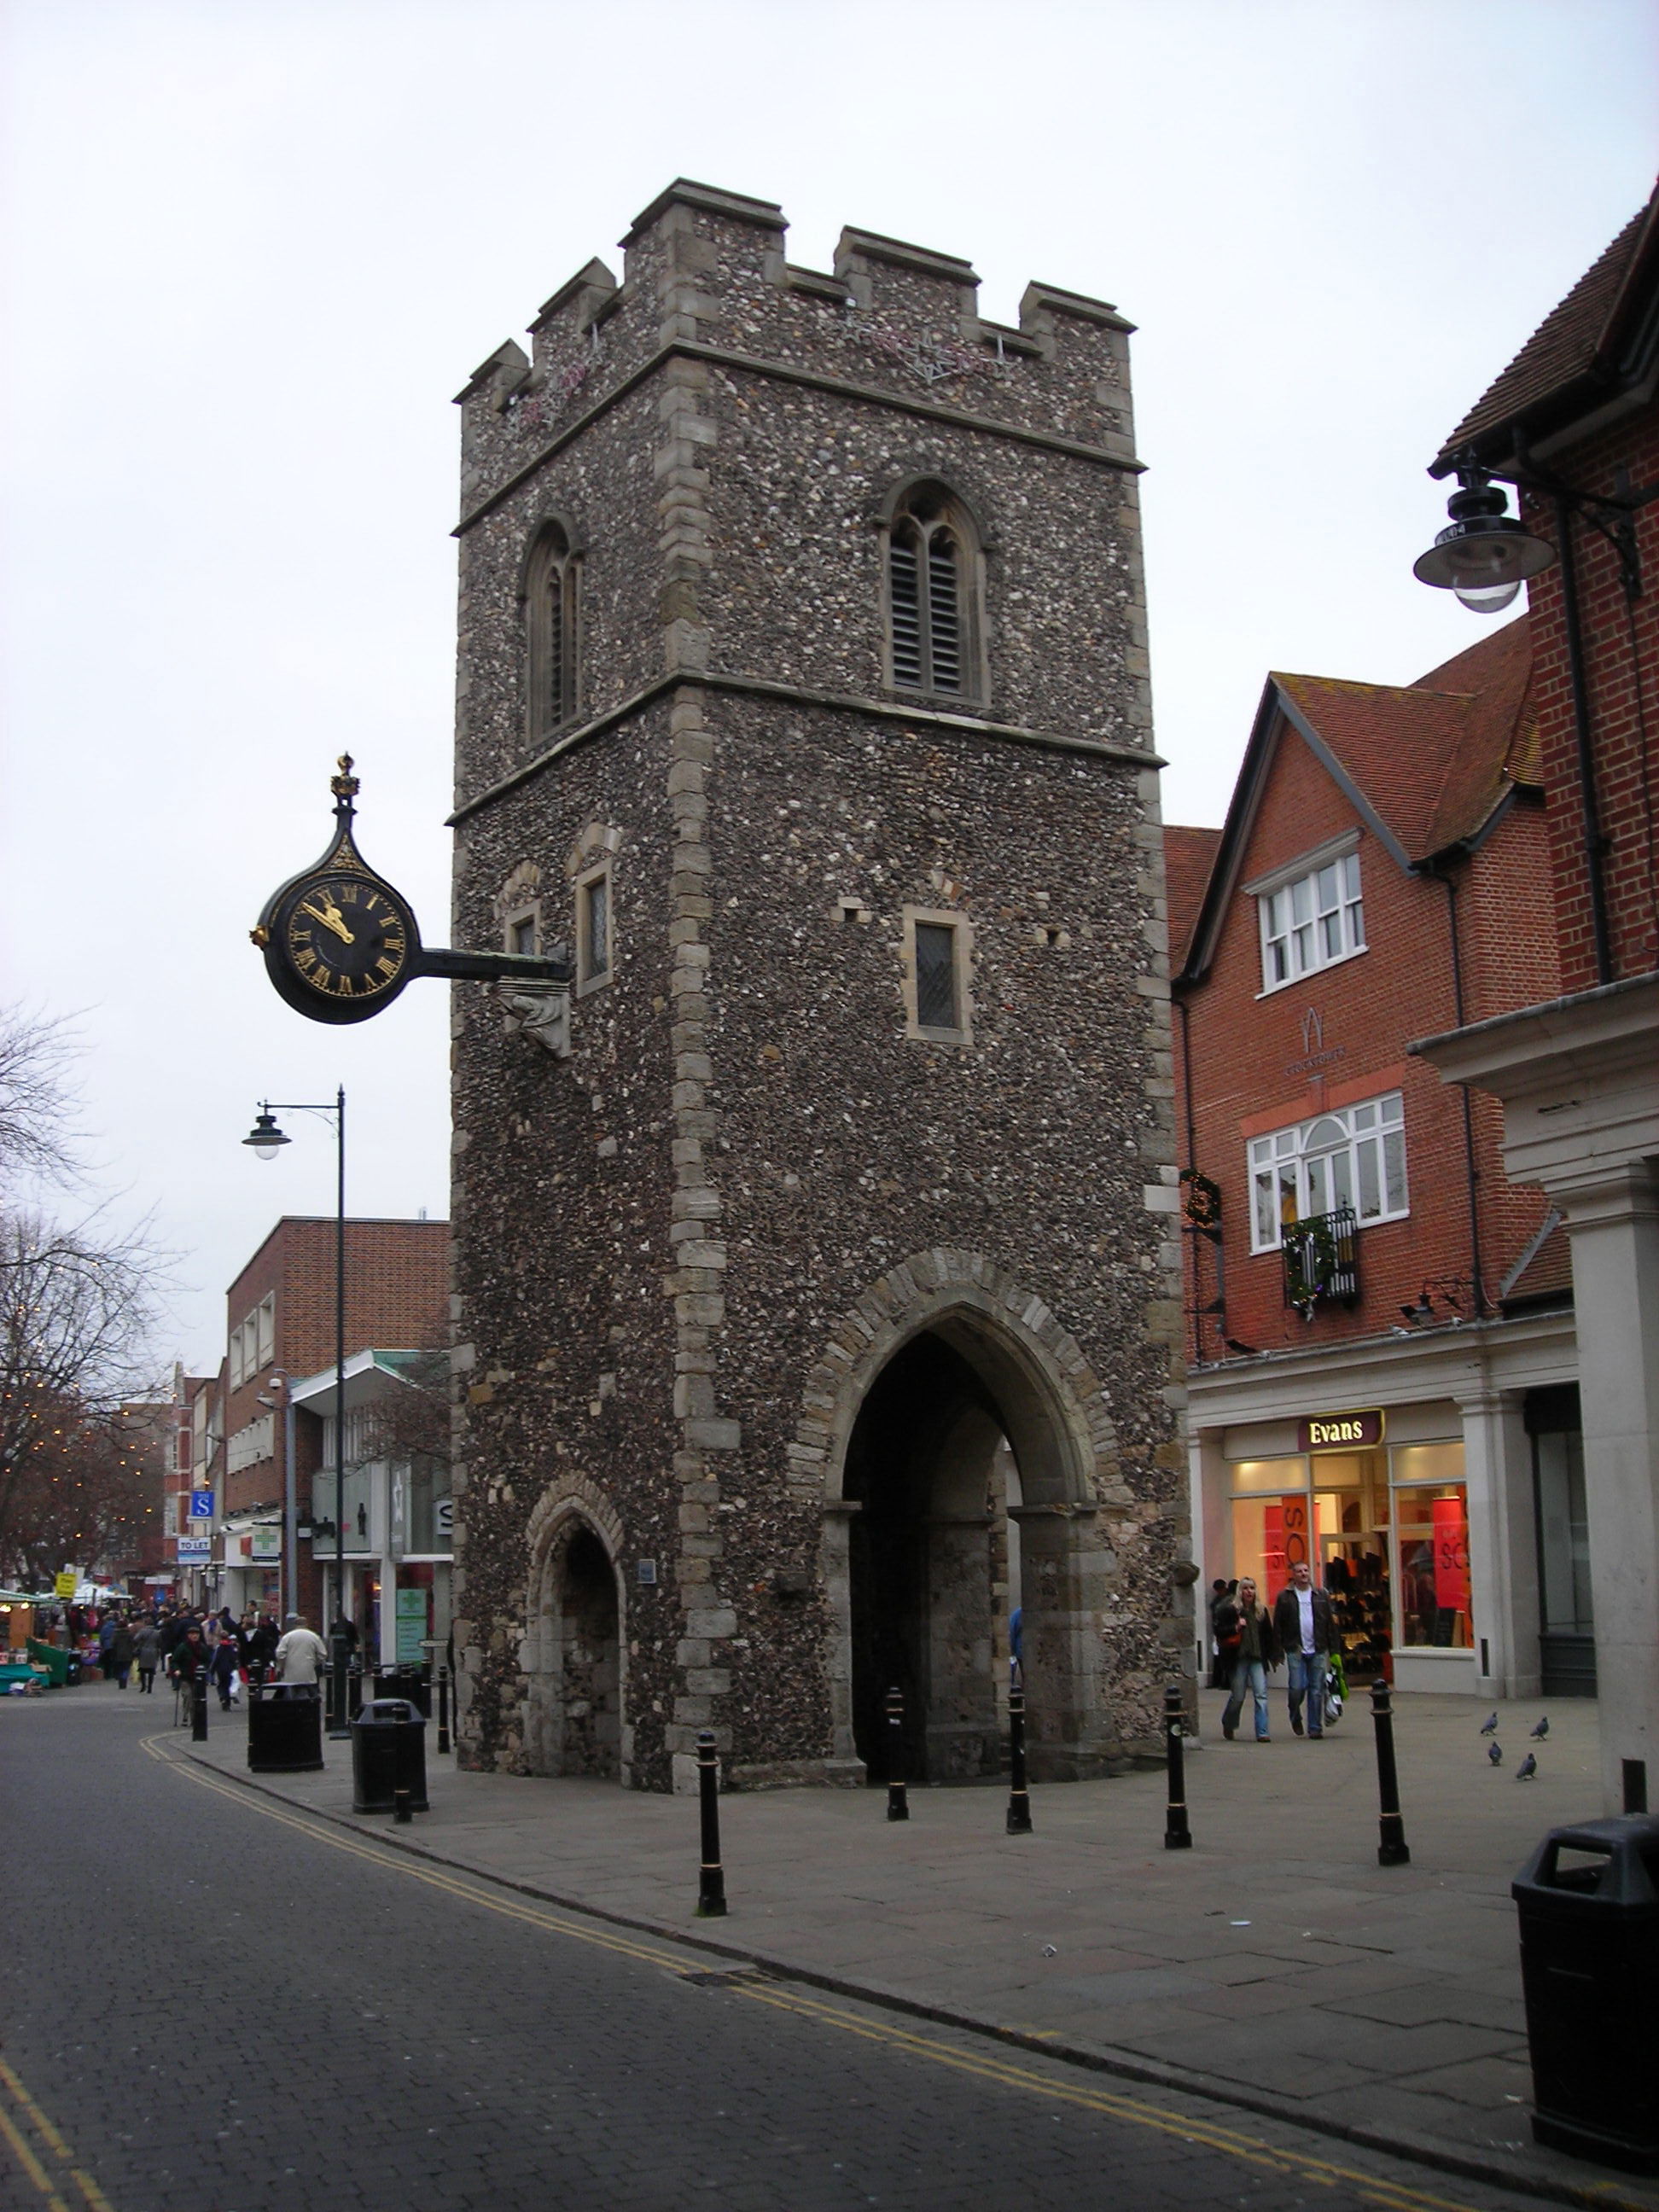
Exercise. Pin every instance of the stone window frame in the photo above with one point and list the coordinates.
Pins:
(555, 550)
(952, 512)
(588, 978)
(514, 919)
(962, 929)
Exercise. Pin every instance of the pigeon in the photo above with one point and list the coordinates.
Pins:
(1495, 1753)
(1489, 1726)
(1526, 1769)
(1542, 1728)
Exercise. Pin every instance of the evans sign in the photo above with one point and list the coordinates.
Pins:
(1321, 1432)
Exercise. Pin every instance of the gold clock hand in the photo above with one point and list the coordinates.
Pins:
(330, 919)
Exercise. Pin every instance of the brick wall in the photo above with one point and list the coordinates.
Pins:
(1244, 1056)
(1623, 690)
(397, 1298)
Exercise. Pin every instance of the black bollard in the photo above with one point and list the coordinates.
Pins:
(1392, 1850)
(1177, 1837)
(443, 1708)
(199, 1708)
(898, 1804)
(400, 1813)
(711, 1882)
(1019, 1797)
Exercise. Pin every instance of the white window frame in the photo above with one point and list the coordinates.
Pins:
(1330, 925)
(1348, 1156)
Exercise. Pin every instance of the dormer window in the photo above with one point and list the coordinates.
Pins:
(932, 594)
(1311, 914)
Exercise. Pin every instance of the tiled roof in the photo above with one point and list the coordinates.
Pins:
(1566, 344)
(1434, 757)
(1187, 856)
(1547, 1274)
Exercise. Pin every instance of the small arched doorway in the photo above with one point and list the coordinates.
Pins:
(935, 1568)
(577, 1686)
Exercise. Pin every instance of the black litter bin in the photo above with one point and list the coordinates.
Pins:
(388, 1753)
(1588, 1901)
(405, 1682)
(285, 1734)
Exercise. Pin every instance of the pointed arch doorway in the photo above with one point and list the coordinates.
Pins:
(576, 1668)
(962, 1498)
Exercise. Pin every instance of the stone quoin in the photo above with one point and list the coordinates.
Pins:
(817, 1287)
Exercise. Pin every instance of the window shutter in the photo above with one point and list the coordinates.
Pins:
(552, 703)
(905, 588)
(944, 616)
(936, 976)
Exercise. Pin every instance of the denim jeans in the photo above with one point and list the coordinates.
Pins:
(1307, 1677)
(1251, 1674)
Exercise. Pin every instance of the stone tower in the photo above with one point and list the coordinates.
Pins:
(817, 1298)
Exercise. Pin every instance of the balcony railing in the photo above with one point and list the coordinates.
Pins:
(1321, 1261)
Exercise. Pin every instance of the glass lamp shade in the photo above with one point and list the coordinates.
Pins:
(1484, 556)
(266, 1139)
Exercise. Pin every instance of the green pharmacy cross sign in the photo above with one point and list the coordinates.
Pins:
(340, 943)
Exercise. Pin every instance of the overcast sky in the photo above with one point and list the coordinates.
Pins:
(253, 247)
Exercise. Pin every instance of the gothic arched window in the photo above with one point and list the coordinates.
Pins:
(933, 591)
(550, 631)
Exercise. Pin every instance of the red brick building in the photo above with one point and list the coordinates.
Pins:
(280, 1322)
(1572, 423)
(1355, 1255)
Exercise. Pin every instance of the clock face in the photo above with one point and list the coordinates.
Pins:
(346, 939)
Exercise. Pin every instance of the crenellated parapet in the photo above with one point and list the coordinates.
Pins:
(706, 277)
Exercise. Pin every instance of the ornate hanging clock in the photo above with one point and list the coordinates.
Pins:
(340, 942)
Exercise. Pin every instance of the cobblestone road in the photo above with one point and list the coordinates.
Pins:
(207, 2000)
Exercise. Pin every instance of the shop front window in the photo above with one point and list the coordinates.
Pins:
(1432, 1540)
(1563, 1534)
(1271, 1527)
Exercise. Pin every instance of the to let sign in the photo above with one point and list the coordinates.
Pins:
(1320, 1432)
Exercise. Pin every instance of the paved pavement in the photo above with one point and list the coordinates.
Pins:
(212, 1998)
(1274, 1964)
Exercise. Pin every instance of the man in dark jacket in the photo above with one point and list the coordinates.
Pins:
(1301, 1622)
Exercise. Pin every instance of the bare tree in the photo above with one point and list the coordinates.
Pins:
(38, 1133)
(412, 1421)
(76, 1318)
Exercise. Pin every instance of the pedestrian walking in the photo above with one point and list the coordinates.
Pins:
(188, 1659)
(224, 1662)
(1301, 1622)
(261, 1644)
(146, 1650)
(1245, 1625)
(300, 1657)
(1221, 1660)
(121, 1648)
(106, 1638)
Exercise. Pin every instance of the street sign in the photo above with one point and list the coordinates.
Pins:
(411, 1625)
(63, 1585)
(201, 1505)
(267, 1545)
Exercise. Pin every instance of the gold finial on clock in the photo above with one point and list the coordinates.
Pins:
(345, 785)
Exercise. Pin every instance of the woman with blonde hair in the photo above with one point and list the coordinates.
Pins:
(1254, 1656)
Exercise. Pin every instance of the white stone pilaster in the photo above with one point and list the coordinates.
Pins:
(1503, 1544)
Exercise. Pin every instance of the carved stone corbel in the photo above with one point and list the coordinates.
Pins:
(540, 1010)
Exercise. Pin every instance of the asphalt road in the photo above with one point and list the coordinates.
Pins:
(209, 2000)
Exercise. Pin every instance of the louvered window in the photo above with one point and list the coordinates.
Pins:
(551, 620)
(905, 585)
(936, 976)
(943, 618)
(928, 587)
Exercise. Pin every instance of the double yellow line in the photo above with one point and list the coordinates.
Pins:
(42, 2151)
(988, 2064)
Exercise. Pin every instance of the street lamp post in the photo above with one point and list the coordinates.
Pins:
(265, 1140)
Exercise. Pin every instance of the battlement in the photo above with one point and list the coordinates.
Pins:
(705, 272)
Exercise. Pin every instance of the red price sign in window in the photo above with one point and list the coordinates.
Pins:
(1284, 1541)
(1451, 1555)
